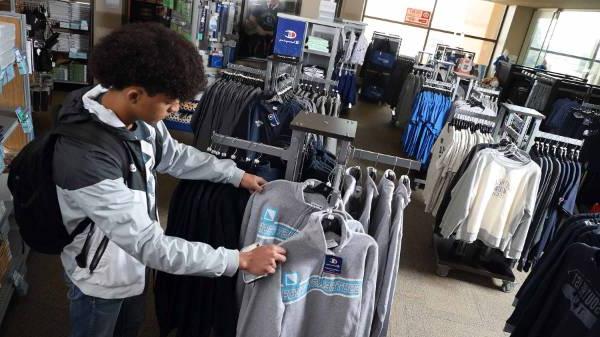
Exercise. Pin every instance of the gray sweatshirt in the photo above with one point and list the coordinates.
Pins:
(319, 291)
(369, 194)
(494, 202)
(275, 215)
(386, 288)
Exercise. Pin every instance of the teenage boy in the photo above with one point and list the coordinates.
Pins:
(144, 71)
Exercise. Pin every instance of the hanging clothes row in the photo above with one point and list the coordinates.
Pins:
(359, 283)
(561, 296)
(569, 119)
(562, 173)
(410, 89)
(589, 195)
(494, 199)
(458, 137)
(347, 86)
(402, 68)
(429, 113)
(539, 95)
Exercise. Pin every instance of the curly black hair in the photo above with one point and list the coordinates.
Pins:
(151, 56)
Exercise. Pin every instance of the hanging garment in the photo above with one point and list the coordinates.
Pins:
(402, 68)
(428, 117)
(325, 288)
(360, 50)
(557, 197)
(494, 201)
(389, 265)
(349, 47)
(201, 306)
(450, 150)
(539, 96)
(560, 295)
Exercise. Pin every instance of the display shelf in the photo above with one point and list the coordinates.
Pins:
(317, 52)
(7, 288)
(71, 30)
(9, 124)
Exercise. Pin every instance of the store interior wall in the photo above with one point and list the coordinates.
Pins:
(565, 4)
(310, 9)
(108, 16)
(351, 9)
(514, 31)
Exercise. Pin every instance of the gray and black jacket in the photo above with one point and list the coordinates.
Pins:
(91, 183)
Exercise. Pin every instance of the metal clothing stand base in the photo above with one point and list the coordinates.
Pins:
(458, 255)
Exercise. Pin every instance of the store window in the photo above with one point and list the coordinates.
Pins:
(473, 25)
(483, 49)
(413, 38)
(476, 18)
(567, 41)
(395, 10)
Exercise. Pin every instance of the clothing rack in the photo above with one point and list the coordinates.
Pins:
(556, 138)
(385, 159)
(343, 130)
(520, 124)
(324, 81)
(246, 69)
(439, 86)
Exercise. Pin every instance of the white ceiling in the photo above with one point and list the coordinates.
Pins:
(565, 4)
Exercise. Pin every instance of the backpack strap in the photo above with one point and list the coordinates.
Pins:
(159, 146)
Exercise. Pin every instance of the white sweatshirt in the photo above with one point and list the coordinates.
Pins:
(494, 201)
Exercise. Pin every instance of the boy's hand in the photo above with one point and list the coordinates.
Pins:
(252, 183)
(262, 260)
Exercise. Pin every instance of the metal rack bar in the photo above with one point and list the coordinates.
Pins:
(342, 129)
(245, 69)
(248, 145)
(304, 77)
(423, 68)
(385, 159)
(561, 139)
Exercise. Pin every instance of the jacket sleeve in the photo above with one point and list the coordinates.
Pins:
(186, 162)
(122, 216)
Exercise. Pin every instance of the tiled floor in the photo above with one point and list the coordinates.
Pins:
(425, 305)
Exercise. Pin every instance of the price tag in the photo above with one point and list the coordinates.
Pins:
(24, 118)
(21, 62)
(10, 73)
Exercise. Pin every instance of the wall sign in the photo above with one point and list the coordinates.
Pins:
(418, 17)
(289, 38)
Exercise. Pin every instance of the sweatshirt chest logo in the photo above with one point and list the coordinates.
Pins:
(584, 298)
(294, 289)
(502, 188)
(270, 230)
